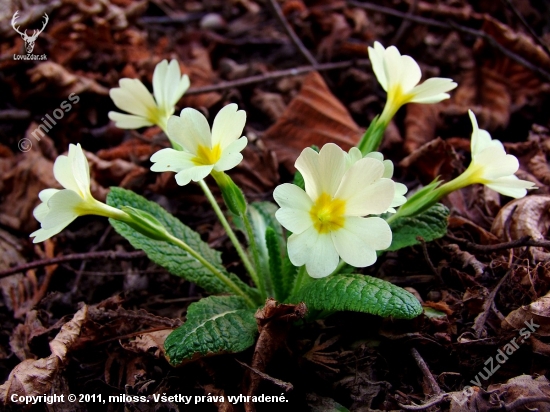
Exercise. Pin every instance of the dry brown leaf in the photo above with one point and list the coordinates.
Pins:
(53, 76)
(313, 117)
(151, 343)
(68, 334)
(498, 85)
(35, 377)
(529, 216)
(537, 312)
(272, 104)
(199, 69)
(421, 124)
(258, 172)
(435, 158)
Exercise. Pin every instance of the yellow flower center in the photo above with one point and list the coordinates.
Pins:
(207, 156)
(327, 213)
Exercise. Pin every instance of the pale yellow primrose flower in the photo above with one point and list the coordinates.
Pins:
(490, 166)
(400, 189)
(399, 76)
(60, 207)
(133, 97)
(326, 219)
(203, 152)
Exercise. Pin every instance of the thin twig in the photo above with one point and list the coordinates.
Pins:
(436, 390)
(282, 384)
(527, 26)
(276, 75)
(434, 401)
(514, 406)
(480, 320)
(107, 254)
(452, 25)
(427, 257)
(405, 23)
(291, 33)
(521, 242)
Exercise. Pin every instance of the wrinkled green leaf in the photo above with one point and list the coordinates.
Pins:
(214, 325)
(430, 225)
(174, 259)
(358, 293)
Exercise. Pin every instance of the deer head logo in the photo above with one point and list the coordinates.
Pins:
(29, 40)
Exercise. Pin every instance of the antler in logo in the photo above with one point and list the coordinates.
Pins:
(29, 40)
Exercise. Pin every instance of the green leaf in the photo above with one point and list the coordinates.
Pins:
(430, 225)
(275, 263)
(215, 325)
(358, 293)
(174, 259)
(262, 217)
(289, 277)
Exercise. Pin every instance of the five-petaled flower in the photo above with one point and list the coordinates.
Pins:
(203, 152)
(490, 166)
(399, 76)
(326, 220)
(60, 207)
(133, 97)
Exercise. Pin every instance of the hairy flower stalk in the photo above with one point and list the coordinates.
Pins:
(326, 220)
(399, 76)
(206, 152)
(61, 207)
(146, 109)
(490, 166)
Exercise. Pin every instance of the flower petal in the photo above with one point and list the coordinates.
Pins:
(41, 234)
(133, 97)
(364, 189)
(410, 73)
(194, 173)
(314, 250)
(170, 160)
(360, 238)
(63, 173)
(322, 171)
(190, 129)
(160, 83)
(496, 164)
(376, 56)
(231, 156)
(128, 121)
(228, 125)
(433, 90)
(80, 169)
(295, 206)
(511, 186)
(63, 207)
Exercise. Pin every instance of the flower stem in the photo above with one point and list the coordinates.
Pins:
(253, 246)
(302, 279)
(216, 272)
(244, 257)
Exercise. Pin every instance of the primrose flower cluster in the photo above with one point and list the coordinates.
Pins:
(340, 215)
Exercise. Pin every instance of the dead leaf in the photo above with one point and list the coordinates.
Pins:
(313, 117)
(421, 124)
(52, 76)
(529, 216)
(35, 377)
(274, 321)
(435, 158)
(537, 312)
(151, 343)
